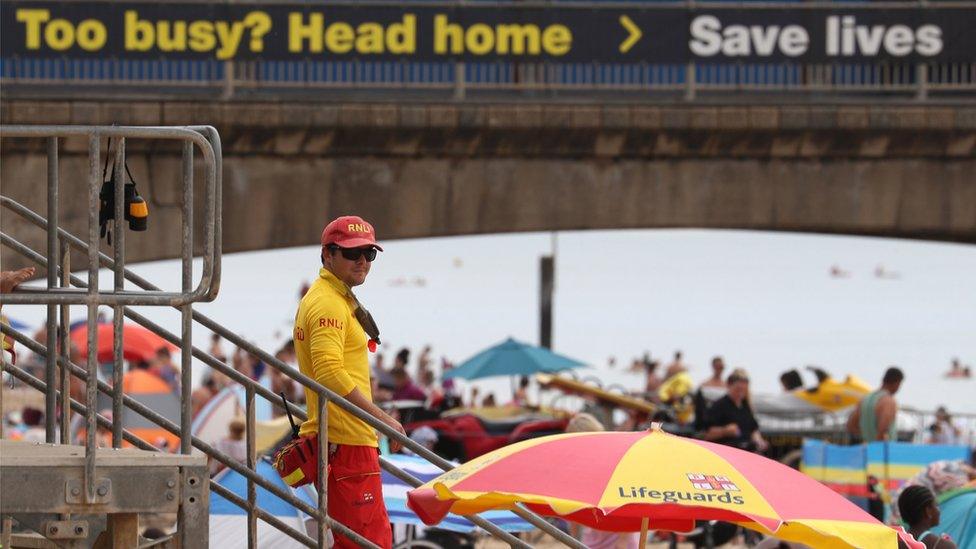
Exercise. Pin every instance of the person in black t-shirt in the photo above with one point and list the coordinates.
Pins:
(730, 420)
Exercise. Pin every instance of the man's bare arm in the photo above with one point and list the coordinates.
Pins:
(722, 431)
(360, 400)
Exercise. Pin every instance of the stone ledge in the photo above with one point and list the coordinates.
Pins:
(966, 119)
(617, 117)
(38, 112)
(443, 116)
(764, 118)
(646, 118)
(853, 117)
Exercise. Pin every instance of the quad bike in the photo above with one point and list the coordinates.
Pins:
(467, 434)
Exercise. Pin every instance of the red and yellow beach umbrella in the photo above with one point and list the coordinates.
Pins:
(628, 482)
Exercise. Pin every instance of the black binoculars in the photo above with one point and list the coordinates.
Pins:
(136, 212)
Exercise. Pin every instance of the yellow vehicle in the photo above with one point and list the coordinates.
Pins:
(832, 394)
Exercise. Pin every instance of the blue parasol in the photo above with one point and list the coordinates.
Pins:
(512, 358)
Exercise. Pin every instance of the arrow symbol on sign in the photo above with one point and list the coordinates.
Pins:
(633, 33)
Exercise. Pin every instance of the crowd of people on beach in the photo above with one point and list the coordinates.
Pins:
(717, 407)
(670, 387)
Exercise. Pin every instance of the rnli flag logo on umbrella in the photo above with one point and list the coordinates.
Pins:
(712, 482)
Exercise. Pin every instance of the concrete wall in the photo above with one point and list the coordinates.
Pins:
(418, 171)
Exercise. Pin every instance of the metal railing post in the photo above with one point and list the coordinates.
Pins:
(118, 181)
(90, 387)
(186, 369)
(460, 81)
(65, 347)
(228, 90)
(690, 69)
(252, 494)
(690, 77)
(3, 364)
(921, 73)
(186, 312)
(322, 467)
(50, 398)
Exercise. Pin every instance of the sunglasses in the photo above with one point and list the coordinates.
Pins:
(353, 254)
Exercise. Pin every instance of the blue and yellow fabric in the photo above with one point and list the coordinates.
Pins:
(845, 469)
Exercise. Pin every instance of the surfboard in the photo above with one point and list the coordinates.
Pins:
(574, 386)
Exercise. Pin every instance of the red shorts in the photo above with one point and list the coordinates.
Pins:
(356, 495)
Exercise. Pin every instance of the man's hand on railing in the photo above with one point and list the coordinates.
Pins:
(395, 425)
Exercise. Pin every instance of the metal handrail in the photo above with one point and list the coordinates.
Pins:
(139, 443)
(158, 419)
(250, 384)
(253, 386)
(453, 81)
(207, 289)
(306, 381)
(92, 298)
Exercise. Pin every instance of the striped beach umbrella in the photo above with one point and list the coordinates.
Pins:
(395, 497)
(635, 481)
(228, 522)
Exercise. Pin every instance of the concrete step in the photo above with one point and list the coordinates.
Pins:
(18, 453)
(41, 479)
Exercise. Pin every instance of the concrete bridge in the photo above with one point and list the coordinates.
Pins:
(419, 170)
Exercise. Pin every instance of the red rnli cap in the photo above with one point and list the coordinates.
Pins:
(350, 231)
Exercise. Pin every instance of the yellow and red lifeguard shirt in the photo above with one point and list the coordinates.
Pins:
(332, 349)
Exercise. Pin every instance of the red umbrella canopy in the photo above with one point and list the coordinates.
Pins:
(622, 481)
(138, 343)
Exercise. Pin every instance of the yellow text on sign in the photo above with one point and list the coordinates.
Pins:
(224, 38)
(500, 39)
(60, 34)
(313, 35)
